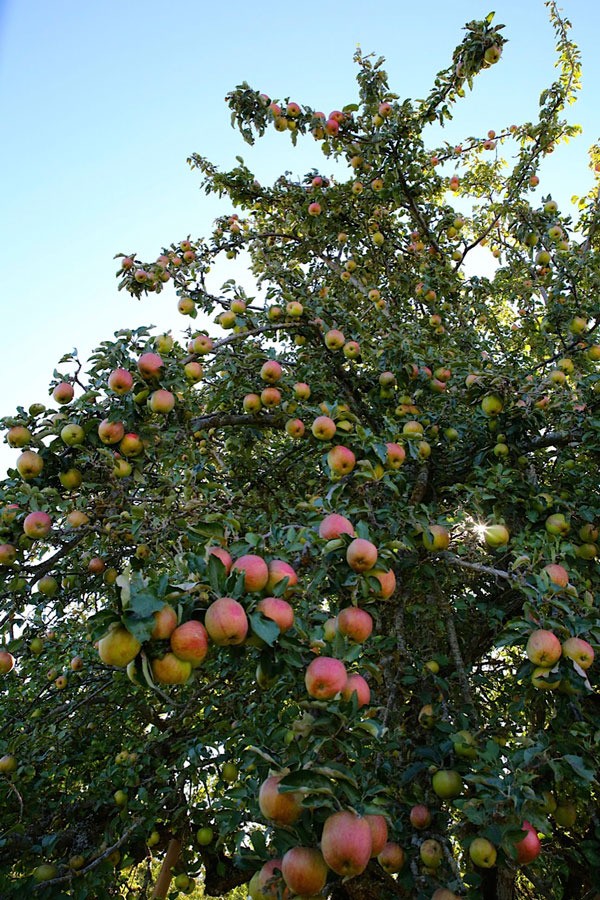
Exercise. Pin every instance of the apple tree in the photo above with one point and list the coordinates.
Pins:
(305, 601)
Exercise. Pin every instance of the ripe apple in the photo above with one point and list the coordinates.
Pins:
(255, 569)
(29, 465)
(558, 575)
(189, 642)
(379, 832)
(346, 843)
(323, 428)
(356, 684)
(283, 808)
(222, 554)
(71, 479)
(436, 537)
(334, 339)
(543, 648)
(387, 581)
(578, 650)
(557, 524)
(202, 344)
(278, 610)
(351, 350)
(193, 372)
(7, 662)
(341, 460)
(96, 565)
(131, 445)
(420, 816)
(120, 381)
(361, 555)
(118, 647)
(529, 847)
(304, 871)
(161, 401)
(355, 624)
(314, 209)
(18, 436)
(170, 669)
(295, 428)
(496, 536)
(447, 784)
(431, 853)
(330, 629)
(391, 858)
(150, 365)
(63, 392)
(270, 397)
(165, 622)
(8, 554)
(412, 429)
(396, 454)
(110, 432)
(226, 622)
(251, 403)
(301, 390)
(37, 525)
(271, 371)
(335, 525)
(77, 519)
(270, 884)
(482, 853)
(325, 677)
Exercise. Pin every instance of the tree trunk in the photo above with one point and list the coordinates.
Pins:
(373, 884)
(498, 884)
(161, 888)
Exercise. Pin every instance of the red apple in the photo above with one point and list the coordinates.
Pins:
(150, 365)
(37, 525)
(165, 622)
(161, 401)
(283, 808)
(278, 610)
(420, 816)
(301, 390)
(226, 622)
(355, 624)
(278, 570)
(558, 575)
(579, 651)
(361, 555)
(7, 662)
(543, 648)
(223, 555)
(295, 428)
(323, 428)
(271, 371)
(171, 670)
(392, 858)
(110, 432)
(335, 525)
(255, 569)
(396, 454)
(63, 392)
(387, 580)
(356, 684)
(529, 847)
(379, 832)
(346, 843)
(304, 871)
(251, 403)
(120, 381)
(341, 460)
(131, 445)
(29, 465)
(189, 642)
(334, 339)
(325, 677)
(270, 397)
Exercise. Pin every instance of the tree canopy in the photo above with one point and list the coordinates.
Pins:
(307, 598)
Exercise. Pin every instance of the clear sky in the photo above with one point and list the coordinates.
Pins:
(101, 102)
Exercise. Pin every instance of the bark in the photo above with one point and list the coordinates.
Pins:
(373, 884)
(498, 884)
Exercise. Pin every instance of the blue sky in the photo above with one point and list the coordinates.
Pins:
(102, 102)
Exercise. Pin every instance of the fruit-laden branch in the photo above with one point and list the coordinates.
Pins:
(62, 879)
(554, 439)
(478, 567)
(216, 420)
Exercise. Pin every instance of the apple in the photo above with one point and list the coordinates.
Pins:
(431, 853)
(323, 428)
(412, 429)
(170, 669)
(391, 858)
(355, 624)
(193, 372)
(387, 581)
(314, 209)
(121, 468)
(77, 519)
(529, 847)
(444, 894)
(325, 677)
(301, 390)
(202, 344)
(346, 843)
(76, 664)
(226, 622)
(29, 465)
(464, 745)
(7, 662)
(189, 642)
(295, 428)
(150, 365)
(161, 401)
(271, 371)
(304, 871)
(251, 403)
(37, 525)
(492, 405)
(71, 479)
(110, 432)
(255, 569)
(270, 883)
(356, 684)
(341, 460)
(44, 872)
(334, 525)
(557, 524)
(120, 381)
(330, 629)
(379, 832)
(558, 575)
(205, 836)
(63, 393)
(565, 814)
(96, 565)
(165, 622)
(60, 683)
(270, 397)
(396, 454)
(8, 764)
(334, 339)
(8, 554)
(131, 445)
(436, 537)
(543, 648)
(222, 554)
(278, 610)
(18, 436)
(361, 555)
(283, 808)
(579, 651)
(351, 349)
(482, 853)
(420, 816)
(447, 784)
(118, 647)
(496, 536)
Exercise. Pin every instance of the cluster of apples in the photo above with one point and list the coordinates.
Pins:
(152, 278)
(348, 842)
(225, 623)
(544, 650)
